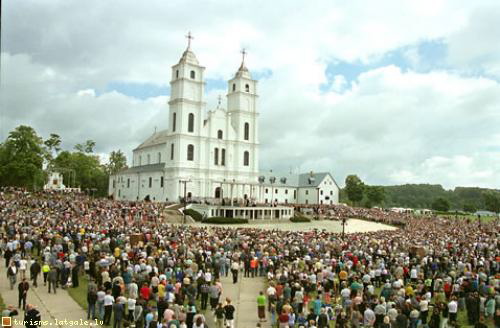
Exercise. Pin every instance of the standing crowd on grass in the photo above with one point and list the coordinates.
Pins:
(142, 271)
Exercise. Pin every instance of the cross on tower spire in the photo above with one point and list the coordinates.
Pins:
(243, 53)
(189, 37)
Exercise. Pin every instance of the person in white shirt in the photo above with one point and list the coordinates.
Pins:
(22, 268)
(131, 308)
(369, 317)
(133, 289)
(100, 304)
(452, 310)
(108, 307)
(271, 296)
(424, 310)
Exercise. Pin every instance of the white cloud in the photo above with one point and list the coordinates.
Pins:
(388, 127)
(476, 46)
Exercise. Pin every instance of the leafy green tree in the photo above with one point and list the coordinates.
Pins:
(89, 173)
(354, 188)
(117, 162)
(441, 204)
(87, 147)
(21, 159)
(470, 208)
(375, 195)
(492, 201)
(53, 145)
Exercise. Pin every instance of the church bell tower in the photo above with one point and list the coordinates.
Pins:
(186, 96)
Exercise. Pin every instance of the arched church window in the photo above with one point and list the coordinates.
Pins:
(219, 134)
(191, 122)
(247, 131)
(150, 182)
(159, 157)
(190, 153)
(223, 157)
(140, 160)
(234, 87)
(177, 74)
(247, 88)
(216, 156)
(246, 158)
(171, 152)
(174, 121)
(149, 159)
(193, 74)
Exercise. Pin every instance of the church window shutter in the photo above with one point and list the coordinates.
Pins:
(191, 122)
(247, 131)
(246, 158)
(190, 153)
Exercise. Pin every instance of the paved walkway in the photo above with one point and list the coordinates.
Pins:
(58, 306)
(243, 296)
(352, 226)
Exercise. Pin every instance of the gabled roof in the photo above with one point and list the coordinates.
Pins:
(282, 179)
(144, 168)
(296, 180)
(156, 138)
(312, 179)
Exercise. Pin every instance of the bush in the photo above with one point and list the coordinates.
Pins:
(222, 220)
(450, 213)
(197, 216)
(300, 219)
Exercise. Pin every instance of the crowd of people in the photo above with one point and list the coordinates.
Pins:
(144, 272)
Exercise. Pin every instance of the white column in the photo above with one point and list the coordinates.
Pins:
(232, 185)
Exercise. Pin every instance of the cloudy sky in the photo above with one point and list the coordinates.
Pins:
(394, 91)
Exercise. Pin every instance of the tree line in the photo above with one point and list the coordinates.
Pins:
(26, 158)
(423, 196)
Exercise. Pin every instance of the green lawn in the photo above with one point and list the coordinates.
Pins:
(471, 217)
(2, 304)
(79, 294)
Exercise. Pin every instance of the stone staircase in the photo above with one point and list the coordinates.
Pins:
(172, 214)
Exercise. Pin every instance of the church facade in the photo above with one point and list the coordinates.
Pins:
(212, 156)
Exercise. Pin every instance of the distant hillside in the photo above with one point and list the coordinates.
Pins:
(422, 196)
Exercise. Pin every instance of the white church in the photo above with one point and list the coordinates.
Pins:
(212, 157)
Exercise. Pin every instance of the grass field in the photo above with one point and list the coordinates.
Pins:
(470, 217)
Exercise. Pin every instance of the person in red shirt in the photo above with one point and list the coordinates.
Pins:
(283, 319)
(279, 290)
(145, 292)
(254, 264)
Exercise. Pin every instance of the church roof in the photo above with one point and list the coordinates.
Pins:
(144, 168)
(188, 57)
(243, 71)
(302, 180)
(156, 138)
